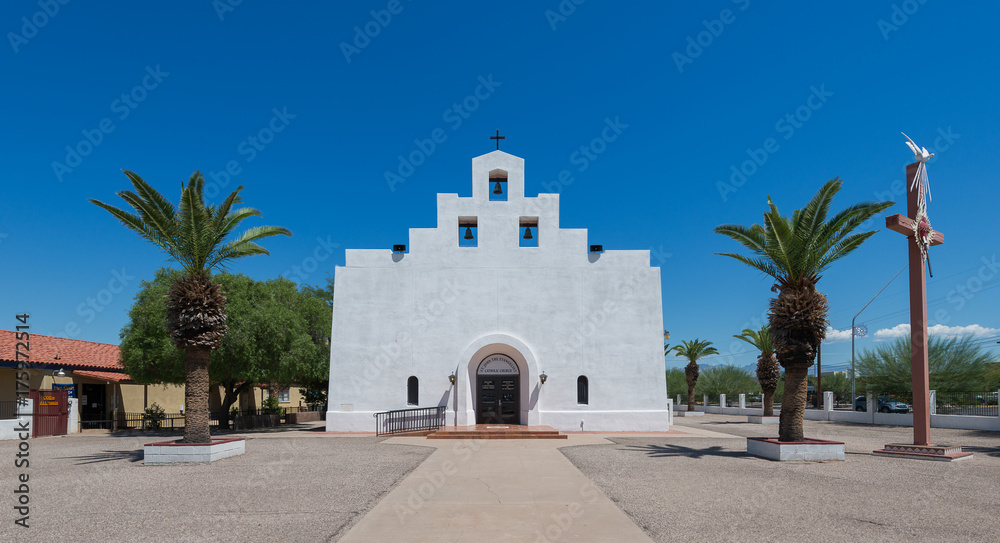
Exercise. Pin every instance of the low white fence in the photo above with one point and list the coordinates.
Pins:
(960, 422)
(12, 428)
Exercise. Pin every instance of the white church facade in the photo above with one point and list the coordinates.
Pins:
(500, 315)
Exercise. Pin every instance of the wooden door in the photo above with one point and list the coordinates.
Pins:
(498, 399)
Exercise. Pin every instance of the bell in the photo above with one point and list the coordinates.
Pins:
(468, 233)
(527, 232)
(497, 189)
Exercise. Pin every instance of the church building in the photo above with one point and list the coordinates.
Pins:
(500, 315)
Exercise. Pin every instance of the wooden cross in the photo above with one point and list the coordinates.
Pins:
(918, 308)
(498, 137)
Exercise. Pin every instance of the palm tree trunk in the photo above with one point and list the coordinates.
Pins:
(793, 404)
(690, 397)
(769, 403)
(196, 416)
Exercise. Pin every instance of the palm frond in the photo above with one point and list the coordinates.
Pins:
(193, 234)
(762, 264)
(795, 250)
(752, 237)
(167, 213)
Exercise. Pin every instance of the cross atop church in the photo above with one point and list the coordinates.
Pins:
(498, 137)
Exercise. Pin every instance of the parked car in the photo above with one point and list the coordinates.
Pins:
(885, 405)
(988, 399)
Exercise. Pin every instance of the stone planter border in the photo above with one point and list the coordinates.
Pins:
(175, 452)
(814, 450)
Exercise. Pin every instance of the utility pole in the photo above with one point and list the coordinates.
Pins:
(819, 376)
(854, 330)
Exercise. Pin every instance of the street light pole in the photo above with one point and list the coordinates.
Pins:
(853, 392)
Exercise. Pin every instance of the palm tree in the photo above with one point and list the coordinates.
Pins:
(194, 236)
(768, 373)
(693, 350)
(794, 251)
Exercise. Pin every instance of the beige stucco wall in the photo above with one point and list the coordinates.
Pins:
(7, 384)
(133, 398)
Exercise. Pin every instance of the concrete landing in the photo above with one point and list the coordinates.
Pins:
(496, 431)
(496, 490)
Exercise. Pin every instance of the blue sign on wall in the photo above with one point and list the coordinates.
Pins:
(70, 387)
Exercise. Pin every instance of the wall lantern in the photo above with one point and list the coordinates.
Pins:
(597, 248)
(543, 377)
(451, 378)
(59, 373)
(399, 248)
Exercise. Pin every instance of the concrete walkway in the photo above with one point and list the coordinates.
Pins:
(496, 490)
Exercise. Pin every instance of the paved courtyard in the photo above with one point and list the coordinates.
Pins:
(699, 489)
(288, 487)
(696, 485)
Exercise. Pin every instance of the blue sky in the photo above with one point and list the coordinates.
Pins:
(310, 116)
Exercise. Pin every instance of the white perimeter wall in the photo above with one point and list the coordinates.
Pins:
(11, 428)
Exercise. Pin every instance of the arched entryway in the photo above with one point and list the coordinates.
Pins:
(498, 391)
(465, 391)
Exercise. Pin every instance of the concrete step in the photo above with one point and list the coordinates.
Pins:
(497, 431)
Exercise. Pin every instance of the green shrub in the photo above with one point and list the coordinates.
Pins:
(272, 407)
(154, 416)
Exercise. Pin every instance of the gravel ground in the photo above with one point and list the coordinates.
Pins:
(286, 488)
(704, 489)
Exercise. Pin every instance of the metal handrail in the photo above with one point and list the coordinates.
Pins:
(409, 420)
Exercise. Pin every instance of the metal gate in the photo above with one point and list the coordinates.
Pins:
(51, 412)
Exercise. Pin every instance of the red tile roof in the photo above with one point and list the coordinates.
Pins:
(116, 377)
(72, 353)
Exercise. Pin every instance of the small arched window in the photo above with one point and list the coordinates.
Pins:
(412, 391)
(582, 390)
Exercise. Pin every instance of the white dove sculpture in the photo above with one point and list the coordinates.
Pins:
(922, 232)
(919, 153)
